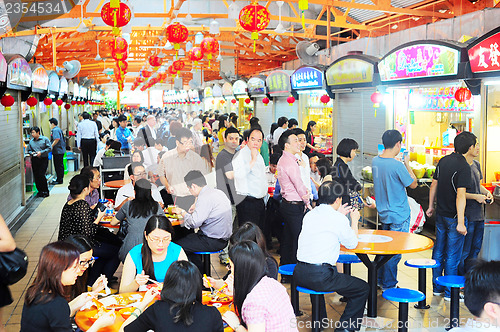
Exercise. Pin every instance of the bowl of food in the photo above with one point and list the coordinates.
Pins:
(126, 312)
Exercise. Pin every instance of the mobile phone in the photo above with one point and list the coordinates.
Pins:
(101, 207)
(488, 201)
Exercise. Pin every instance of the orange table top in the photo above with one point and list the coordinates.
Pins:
(116, 183)
(84, 323)
(378, 242)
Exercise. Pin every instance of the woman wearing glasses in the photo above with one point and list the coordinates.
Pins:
(45, 308)
(77, 219)
(151, 259)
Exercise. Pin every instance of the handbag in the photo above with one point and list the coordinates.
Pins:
(13, 266)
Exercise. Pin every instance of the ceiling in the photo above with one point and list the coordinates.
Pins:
(73, 35)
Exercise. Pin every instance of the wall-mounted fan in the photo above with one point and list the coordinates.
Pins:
(307, 52)
(71, 68)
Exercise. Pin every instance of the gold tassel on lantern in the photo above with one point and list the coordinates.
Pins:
(303, 6)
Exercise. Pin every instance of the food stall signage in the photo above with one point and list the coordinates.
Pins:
(227, 89)
(256, 86)
(485, 56)
(40, 79)
(420, 60)
(278, 82)
(307, 78)
(193, 95)
(63, 86)
(240, 88)
(217, 91)
(76, 90)
(349, 71)
(3, 68)
(53, 82)
(208, 92)
(20, 72)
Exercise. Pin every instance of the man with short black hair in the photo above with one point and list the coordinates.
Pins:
(292, 123)
(324, 229)
(123, 134)
(390, 179)
(39, 147)
(482, 297)
(211, 214)
(282, 126)
(58, 150)
(448, 189)
(87, 136)
(98, 123)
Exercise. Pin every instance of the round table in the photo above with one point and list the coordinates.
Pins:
(116, 183)
(384, 245)
(83, 322)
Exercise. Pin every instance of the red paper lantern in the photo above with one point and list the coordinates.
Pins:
(146, 73)
(176, 34)
(59, 102)
(376, 99)
(247, 101)
(7, 101)
(155, 61)
(122, 65)
(116, 17)
(178, 65)
(47, 101)
(462, 95)
(254, 18)
(233, 101)
(32, 101)
(73, 102)
(290, 100)
(325, 99)
(117, 55)
(265, 101)
(171, 70)
(67, 106)
(195, 54)
(209, 46)
(119, 44)
(222, 101)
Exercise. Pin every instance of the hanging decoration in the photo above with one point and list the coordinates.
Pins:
(47, 101)
(325, 99)
(178, 65)
(209, 46)
(462, 95)
(73, 102)
(59, 103)
(31, 102)
(265, 101)
(122, 65)
(222, 102)
(303, 6)
(147, 73)
(119, 44)
(233, 101)
(176, 34)
(376, 99)
(155, 61)
(7, 101)
(67, 106)
(254, 18)
(117, 55)
(247, 101)
(195, 54)
(290, 100)
(116, 15)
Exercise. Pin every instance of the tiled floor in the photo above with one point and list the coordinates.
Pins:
(41, 228)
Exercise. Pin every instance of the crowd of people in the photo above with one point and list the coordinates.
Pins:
(238, 190)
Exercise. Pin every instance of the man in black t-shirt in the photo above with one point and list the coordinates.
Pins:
(225, 175)
(451, 179)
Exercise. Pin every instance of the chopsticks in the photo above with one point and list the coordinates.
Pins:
(218, 292)
(154, 281)
(208, 282)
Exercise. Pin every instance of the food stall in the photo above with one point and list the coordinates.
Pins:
(484, 59)
(244, 104)
(194, 100)
(308, 85)
(218, 99)
(227, 93)
(278, 89)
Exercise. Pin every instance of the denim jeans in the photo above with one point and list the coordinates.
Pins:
(447, 250)
(472, 245)
(388, 273)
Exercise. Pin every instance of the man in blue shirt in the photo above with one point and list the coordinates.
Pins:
(58, 149)
(390, 179)
(39, 147)
(123, 134)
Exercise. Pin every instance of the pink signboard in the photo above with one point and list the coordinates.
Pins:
(3, 68)
(419, 60)
(485, 56)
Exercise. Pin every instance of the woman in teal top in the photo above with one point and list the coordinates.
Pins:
(152, 258)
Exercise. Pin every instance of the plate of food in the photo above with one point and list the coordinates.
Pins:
(94, 314)
(212, 298)
(126, 312)
(174, 216)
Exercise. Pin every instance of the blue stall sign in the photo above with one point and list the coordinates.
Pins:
(307, 78)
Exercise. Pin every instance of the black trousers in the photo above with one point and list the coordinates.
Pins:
(252, 209)
(59, 166)
(196, 242)
(274, 222)
(292, 217)
(39, 165)
(324, 278)
(106, 263)
(89, 150)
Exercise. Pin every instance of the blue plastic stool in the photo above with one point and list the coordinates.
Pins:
(315, 297)
(421, 264)
(76, 159)
(455, 283)
(205, 258)
(403, 296)
(287, 270)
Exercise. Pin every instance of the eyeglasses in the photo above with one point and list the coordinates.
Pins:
(87, 263)
(158, 240)
(188, 142)
(140, 174)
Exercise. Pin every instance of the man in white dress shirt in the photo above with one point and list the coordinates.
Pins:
(282, 126)
(324, 229)
(87, 136)
(250, 180)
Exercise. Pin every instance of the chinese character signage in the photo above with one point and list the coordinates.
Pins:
(63, 87)
(484, 54)
(239, 88)
(39, 78)
(256, 86)
(19, 72)
(227, 89)
(3, 68)
(217, 91)
(307, 78)
(349, 71)
(419, 60)
(54, 83)
(278, 83)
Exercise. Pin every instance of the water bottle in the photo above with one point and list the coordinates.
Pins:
(109, 209)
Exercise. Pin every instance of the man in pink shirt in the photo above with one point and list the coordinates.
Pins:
(295, 196)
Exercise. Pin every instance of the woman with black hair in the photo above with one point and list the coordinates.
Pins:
(223, 125)
(262, 302)
(152, 258)
(77, 219)
(137, 213)
(180, 307)
(311, 150)
(346, 151)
